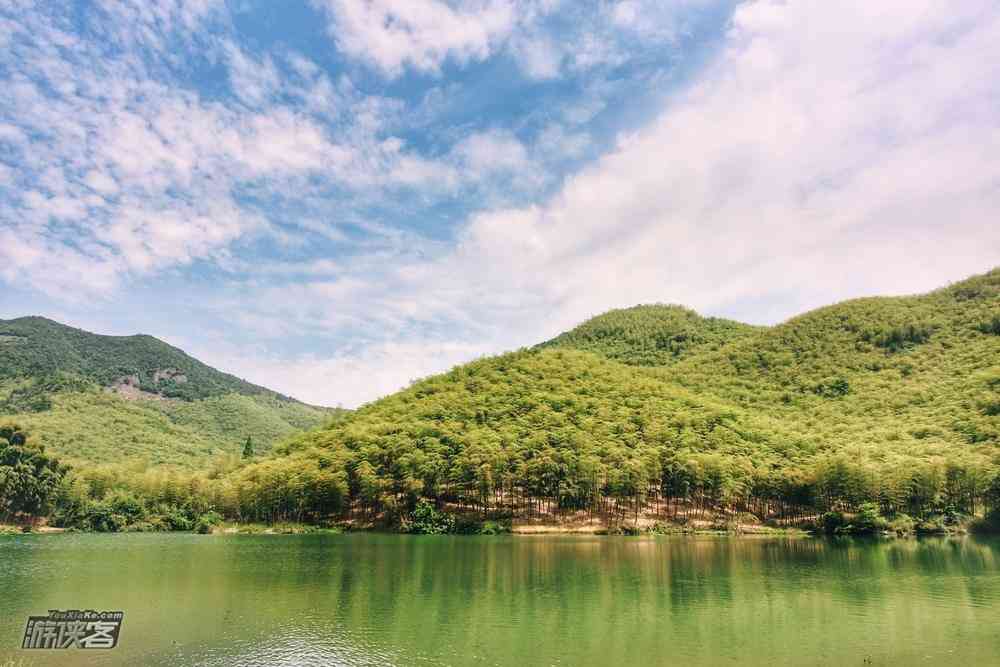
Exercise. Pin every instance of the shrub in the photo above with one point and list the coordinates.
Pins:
(207, 521)
(428, 520)
(932, 526)
(831, 522)
(991, 327)
(832, 388)
(902, 524)
(174, 518)
(494, 527)
(127, 506)
(100, 518)
(468, 524)
(989, 523)
(898, 339)
(869, 519)
(152, 526)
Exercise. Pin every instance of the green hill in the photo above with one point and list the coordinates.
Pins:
(651, 335)
(912, 371)
(36, 347)
(104, 399)
(855, 414)
(893, 401)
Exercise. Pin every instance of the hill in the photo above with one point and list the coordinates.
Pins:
(857, 414)
(93, 398)
(34, 347)
(909, 373)
(651, 335)
(890, 401)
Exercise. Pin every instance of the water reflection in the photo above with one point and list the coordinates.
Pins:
(398, 600)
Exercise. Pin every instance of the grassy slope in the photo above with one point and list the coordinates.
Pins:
(100, 427)
(51, 383)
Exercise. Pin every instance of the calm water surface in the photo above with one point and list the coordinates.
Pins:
(402, 600)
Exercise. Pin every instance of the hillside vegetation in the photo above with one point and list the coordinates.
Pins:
(97, 399)
(851, 416)
(918, 375)
(651, 335)
(891, 405)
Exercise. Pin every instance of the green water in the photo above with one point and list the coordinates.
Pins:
(402, 600)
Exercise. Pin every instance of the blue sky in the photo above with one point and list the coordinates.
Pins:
(335, 197)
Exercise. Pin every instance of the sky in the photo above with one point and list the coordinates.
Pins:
(334, 198)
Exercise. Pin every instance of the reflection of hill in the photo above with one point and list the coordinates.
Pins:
(383, 599)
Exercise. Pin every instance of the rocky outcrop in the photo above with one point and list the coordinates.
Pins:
(130, 388)
(169, 374)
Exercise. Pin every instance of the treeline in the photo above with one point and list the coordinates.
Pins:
(320, 486)
(708, 487)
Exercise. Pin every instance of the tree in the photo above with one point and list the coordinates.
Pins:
(29, 479)
(248, 448)
(13, 434)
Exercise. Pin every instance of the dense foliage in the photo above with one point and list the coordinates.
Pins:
(651, 335)
(94, 426)
(29, 478)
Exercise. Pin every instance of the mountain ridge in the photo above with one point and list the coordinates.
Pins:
(149, 401)
(106, 359)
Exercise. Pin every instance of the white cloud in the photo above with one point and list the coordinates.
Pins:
(490, 151)
(152, 24)
(653, 19)
(539, 57)
(136, 175)
(545, 37)
(351, 377)
(830, 151)
(556, 143)
(822, 137)
(255, 81)
(422, 34)
(101, 182)
(12, 135)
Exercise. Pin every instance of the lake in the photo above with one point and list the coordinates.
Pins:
(370, 599)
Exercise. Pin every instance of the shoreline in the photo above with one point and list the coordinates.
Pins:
(519, 530)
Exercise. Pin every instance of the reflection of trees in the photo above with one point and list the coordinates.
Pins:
(507, 599)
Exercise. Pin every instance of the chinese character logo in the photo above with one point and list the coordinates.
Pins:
(73, 629)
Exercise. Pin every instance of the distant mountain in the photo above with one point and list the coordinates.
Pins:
(107, 398)
(37, 347)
